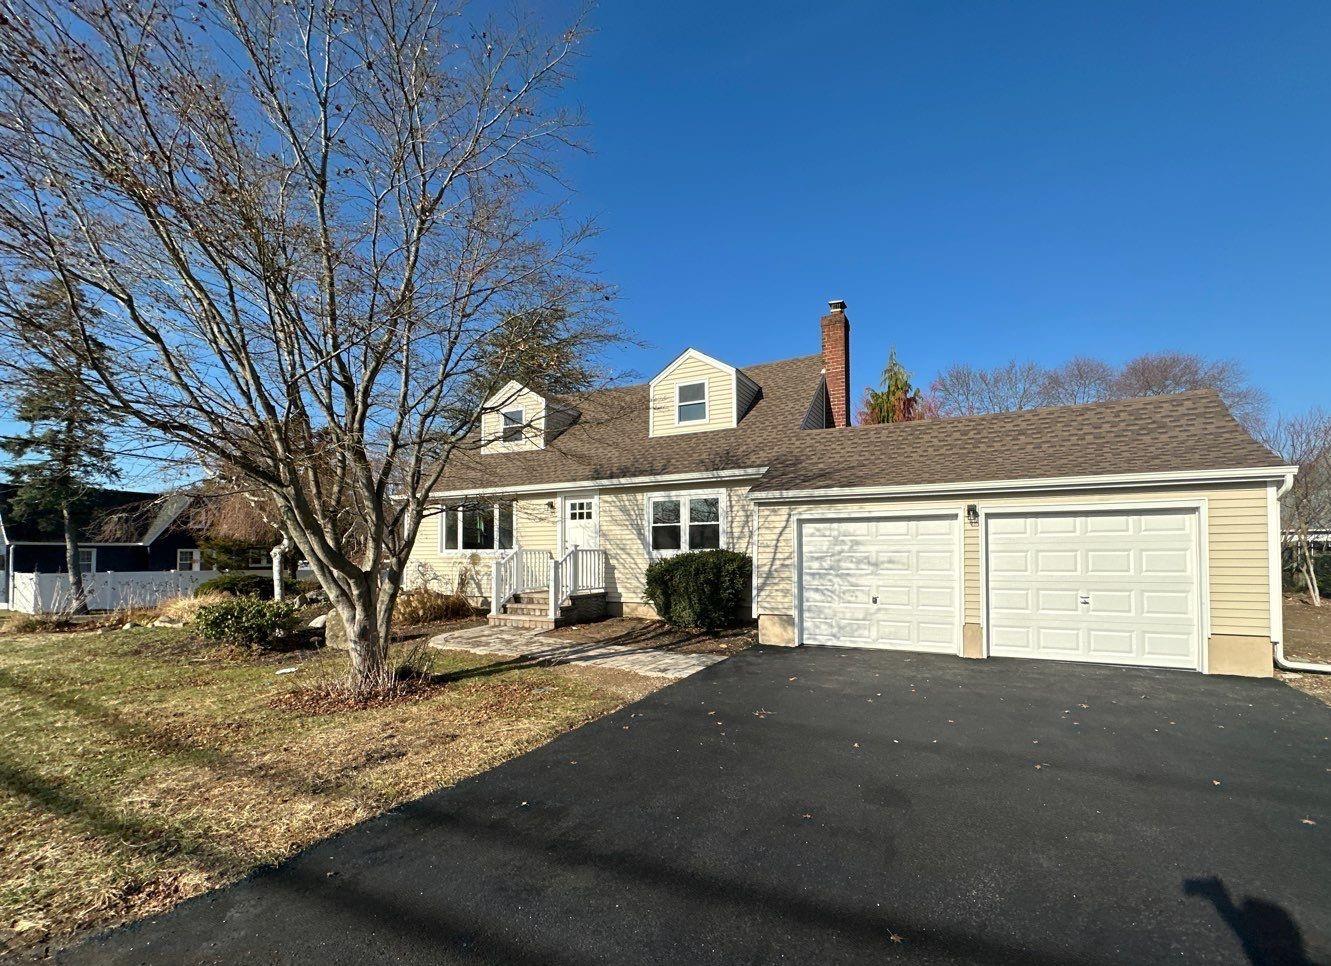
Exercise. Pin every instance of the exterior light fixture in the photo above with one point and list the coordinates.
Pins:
(972, 514)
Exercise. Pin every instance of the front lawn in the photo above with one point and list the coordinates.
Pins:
(137, 769)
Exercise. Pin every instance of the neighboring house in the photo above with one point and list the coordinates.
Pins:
(127, 531)
(1141, 531)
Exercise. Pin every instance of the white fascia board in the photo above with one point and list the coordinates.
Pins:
(690, 353)
(1167, 478)
(751, 472)
(166, 517)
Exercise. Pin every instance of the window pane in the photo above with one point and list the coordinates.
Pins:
(693, 392)
(704, 536)
(665, 511)
(706, 510)
(506, 526)
(513, 420)
(478, 529)
(692, 412)
(665, 537)
(85, 561)
(450, 529)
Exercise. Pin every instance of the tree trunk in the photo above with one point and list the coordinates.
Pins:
(1309, 570)
(370, 671)
(78, 597)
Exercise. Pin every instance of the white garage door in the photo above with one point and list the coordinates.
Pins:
(1110, 587)
(890, 582)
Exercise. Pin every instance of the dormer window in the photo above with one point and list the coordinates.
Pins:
(691, 402)
(514, 422)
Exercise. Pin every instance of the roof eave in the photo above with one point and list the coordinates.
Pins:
(1099, 481)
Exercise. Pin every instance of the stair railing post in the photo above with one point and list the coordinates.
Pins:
(574, 571)
(554, 588)
(494, 586)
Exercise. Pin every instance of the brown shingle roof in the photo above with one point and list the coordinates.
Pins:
(1188, 431)
(609, 440)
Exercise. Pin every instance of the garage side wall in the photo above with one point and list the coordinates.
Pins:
(1237, 559)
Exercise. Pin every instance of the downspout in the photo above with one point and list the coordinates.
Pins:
(1282, 662)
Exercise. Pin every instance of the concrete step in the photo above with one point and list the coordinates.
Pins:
(523, 621)
(533, 597)
(531, 610)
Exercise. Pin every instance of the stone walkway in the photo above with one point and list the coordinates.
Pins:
(530, 645)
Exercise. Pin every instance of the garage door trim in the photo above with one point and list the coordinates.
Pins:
(1198, 506)
(957, 514)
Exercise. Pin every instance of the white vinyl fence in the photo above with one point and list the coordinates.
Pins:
(107, 590)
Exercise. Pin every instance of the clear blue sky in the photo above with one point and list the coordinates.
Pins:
(979, 180)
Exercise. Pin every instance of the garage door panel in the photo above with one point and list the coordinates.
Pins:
(1109, 586)
(910, 565)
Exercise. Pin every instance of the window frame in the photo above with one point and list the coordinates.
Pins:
(456, 514)
(518, 429)
(196, 558)
(705, 402)
(685, 498)
(92, 560)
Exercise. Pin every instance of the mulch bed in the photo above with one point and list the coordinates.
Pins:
(659, 636)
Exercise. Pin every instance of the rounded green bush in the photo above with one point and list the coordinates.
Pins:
(241, 584)
(246, 621)
(705, 588)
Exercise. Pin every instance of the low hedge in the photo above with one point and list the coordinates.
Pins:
(705, 588)
(243, 584)
(246, 621)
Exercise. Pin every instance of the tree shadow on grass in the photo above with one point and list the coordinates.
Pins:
(1269, 935)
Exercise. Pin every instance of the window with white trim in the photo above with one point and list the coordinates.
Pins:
(691, 402)
(87, 560)
(477, 528)
(189, 559)
(513, 421)
(678, 523)
(579, 509)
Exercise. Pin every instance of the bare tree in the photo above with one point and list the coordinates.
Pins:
(964, 390)
(1160, 373)
(315, 236)
(1082, 379)
(1305, 441)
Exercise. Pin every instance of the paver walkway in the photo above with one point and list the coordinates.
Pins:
(530, 645)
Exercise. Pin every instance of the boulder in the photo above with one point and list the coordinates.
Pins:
(335, 632)
(318, 623)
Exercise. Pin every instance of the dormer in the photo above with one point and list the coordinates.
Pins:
(517, 419)
(697, 393)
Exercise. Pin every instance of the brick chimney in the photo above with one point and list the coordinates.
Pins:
(836, 360)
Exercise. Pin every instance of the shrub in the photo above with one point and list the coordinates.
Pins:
(246, 621)
(183, 610)
(241, 584)
(424, 605)
(39, 624)
(706, 588)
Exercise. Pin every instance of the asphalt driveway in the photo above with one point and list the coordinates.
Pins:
(824, 806)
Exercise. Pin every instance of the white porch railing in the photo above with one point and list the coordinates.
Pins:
(520, 571)
(577, 572)
(516, 572)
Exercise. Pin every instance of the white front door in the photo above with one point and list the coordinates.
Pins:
(578, 522)
(1111, 587)
(890, 582)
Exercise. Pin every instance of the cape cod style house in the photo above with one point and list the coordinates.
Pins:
(1139, 531)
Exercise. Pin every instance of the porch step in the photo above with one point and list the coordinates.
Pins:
(532, 611)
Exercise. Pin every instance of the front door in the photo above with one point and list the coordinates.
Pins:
(579, 524)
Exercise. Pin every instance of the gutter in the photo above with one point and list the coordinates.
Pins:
(1282, 662)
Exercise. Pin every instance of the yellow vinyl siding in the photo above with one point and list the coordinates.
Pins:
(535, 526)
(533, 411)
(720, 398)
(1236, 545)
(624, 534)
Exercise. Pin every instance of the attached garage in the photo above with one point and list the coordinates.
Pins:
(882, 581)
(1104, 586)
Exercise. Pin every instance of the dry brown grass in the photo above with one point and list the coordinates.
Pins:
(137, 769)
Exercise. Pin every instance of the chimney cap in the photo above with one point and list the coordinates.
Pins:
(837, 305)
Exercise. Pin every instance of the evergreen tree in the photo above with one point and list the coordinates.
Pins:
(65, 452)
(897, 401)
